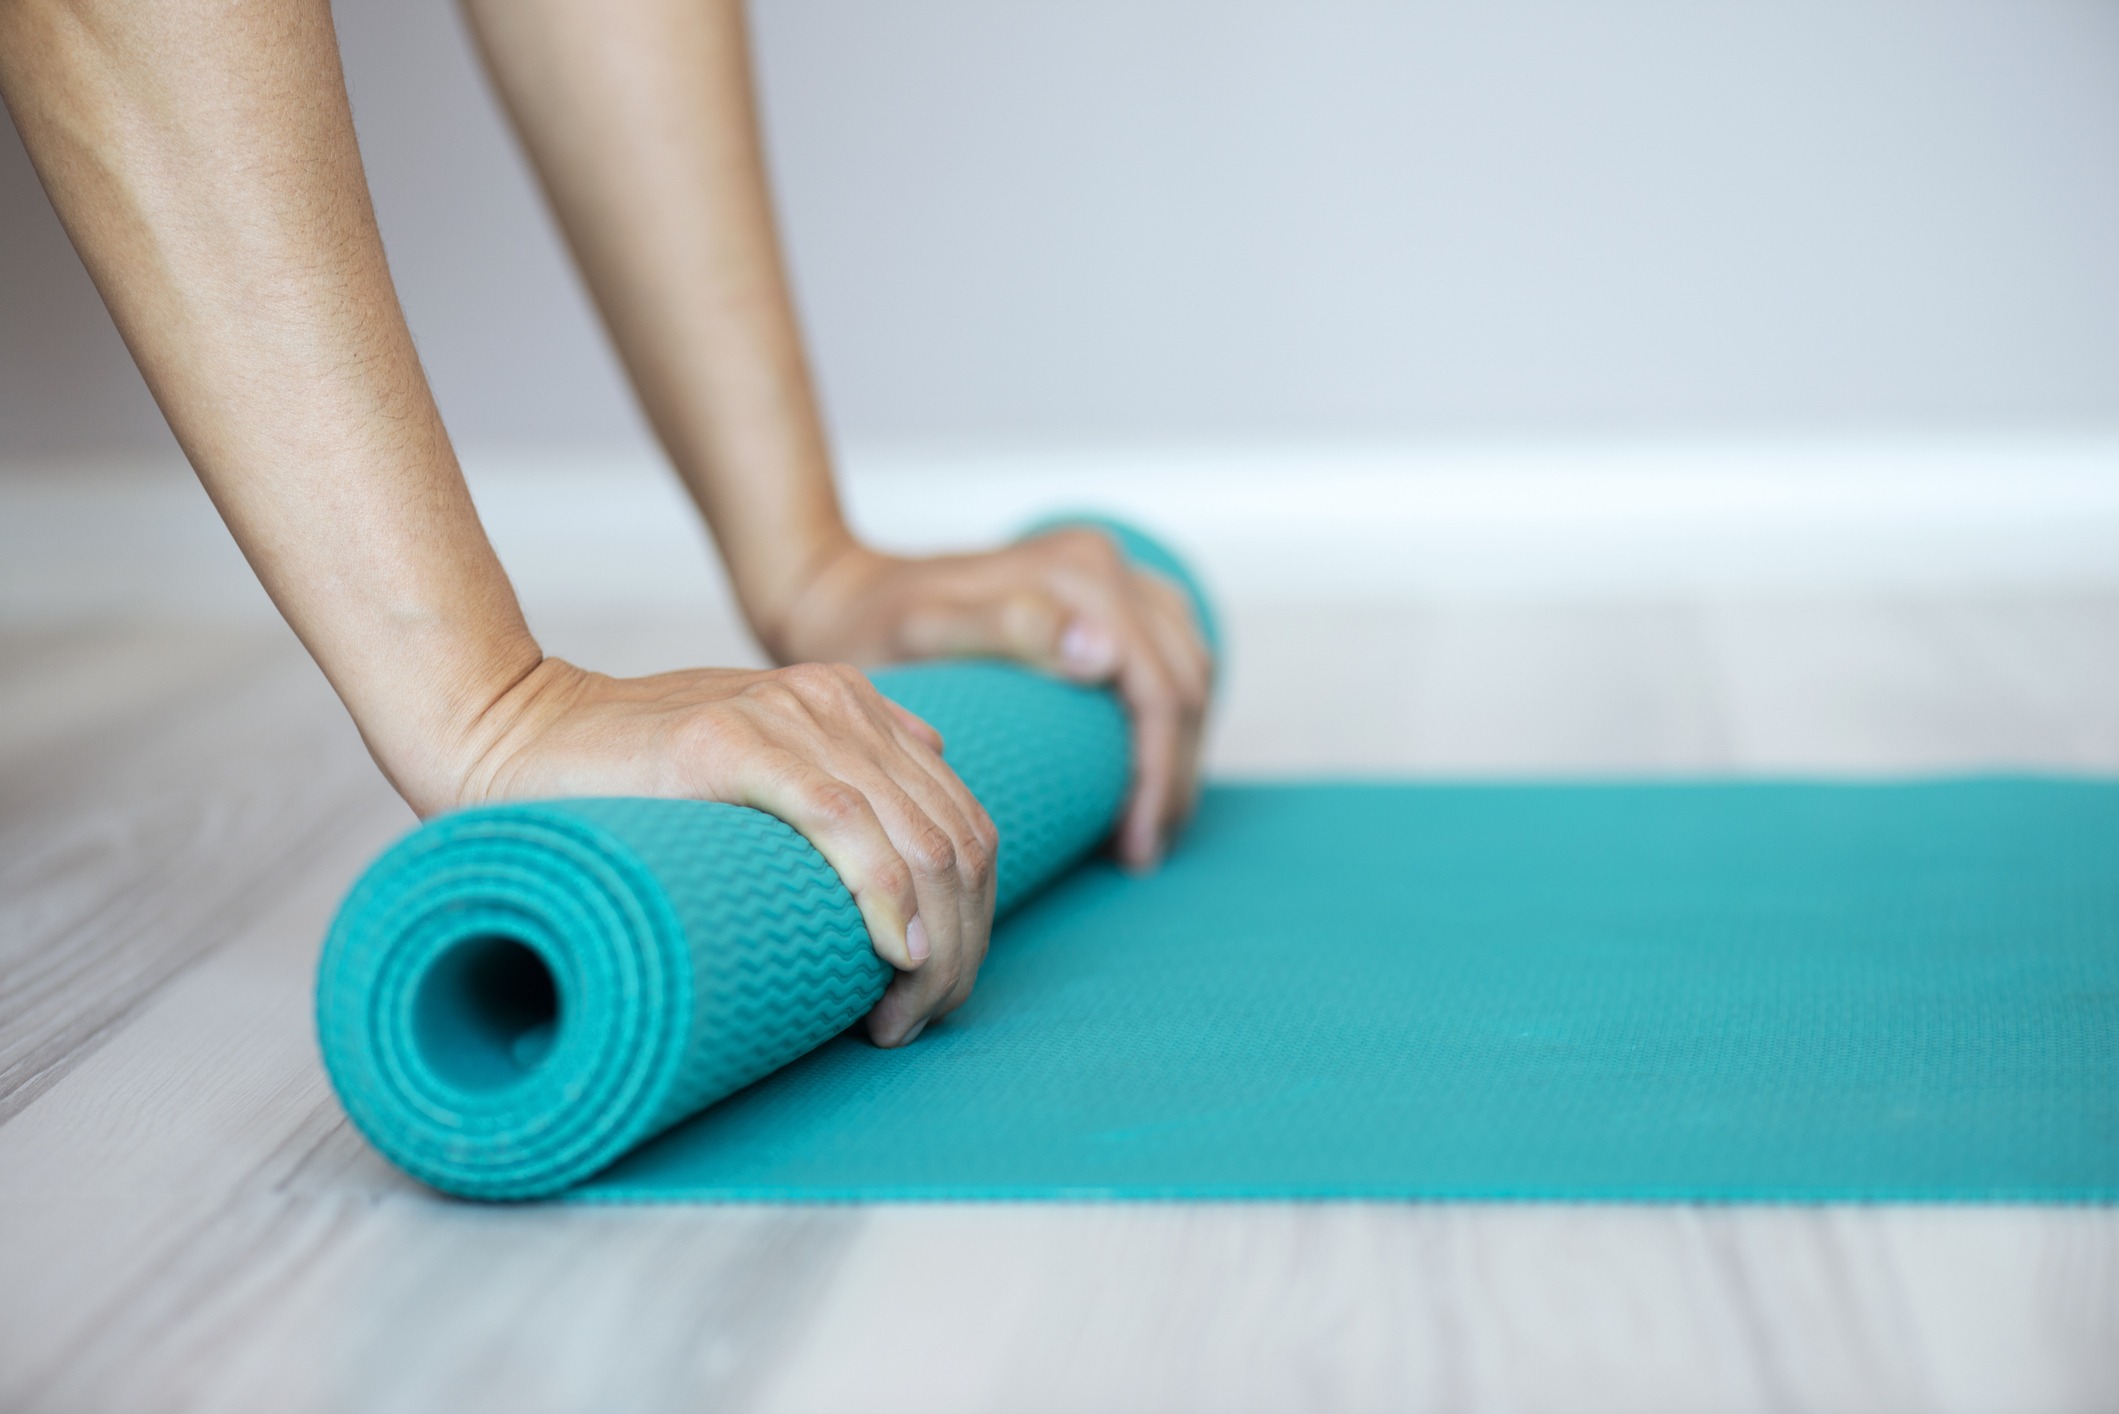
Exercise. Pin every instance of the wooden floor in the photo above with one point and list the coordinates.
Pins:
(186, 1222)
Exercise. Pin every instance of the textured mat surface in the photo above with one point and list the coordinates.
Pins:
(1772, 992)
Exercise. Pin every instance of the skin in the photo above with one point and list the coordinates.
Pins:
(202, 157)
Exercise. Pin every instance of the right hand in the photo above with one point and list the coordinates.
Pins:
(1066, 601)
(860, 777)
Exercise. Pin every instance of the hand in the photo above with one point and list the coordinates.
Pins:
(1066, 601)
(817, 746)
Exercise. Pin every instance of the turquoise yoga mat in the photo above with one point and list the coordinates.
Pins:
(1718, 992)
(511, 998)
(1799, 992)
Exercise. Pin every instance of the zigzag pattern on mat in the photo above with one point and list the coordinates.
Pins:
(798, 971)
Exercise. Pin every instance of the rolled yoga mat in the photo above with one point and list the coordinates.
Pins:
(513, 997)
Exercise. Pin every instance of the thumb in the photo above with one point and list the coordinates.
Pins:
(1028, 626)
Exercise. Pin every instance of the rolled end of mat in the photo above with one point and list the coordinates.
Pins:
(504, 1001)
(513, 997)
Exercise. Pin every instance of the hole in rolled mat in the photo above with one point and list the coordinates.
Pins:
(487, 1013)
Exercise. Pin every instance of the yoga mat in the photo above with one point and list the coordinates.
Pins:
(512, 997)
(1778, 992)
(1799, 992)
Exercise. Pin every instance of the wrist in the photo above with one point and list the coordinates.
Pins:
(483, 763)
(433, 721)
(794, 618)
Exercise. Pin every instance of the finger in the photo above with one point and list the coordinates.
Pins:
(937, 787)
(978, 841)
(1162, 689)
(1169, 620)
(1152, 701)
(902, 1014)
(928, 788)
(921, 730)
(944, 985)
(1088, 650)
(925, 826)
(945, 797)
(1184, 793)
(839, 820)
(892, 755)
(1089, 572)
(1169, 627)
(1177, 630)
(1159, 676)
(913, 999)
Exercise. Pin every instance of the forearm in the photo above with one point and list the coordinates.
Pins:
(202, 158)
(640, 119)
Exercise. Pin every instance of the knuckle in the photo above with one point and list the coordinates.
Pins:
(893, 881)
(975, 859)
(837, 689)
(807, 678)
(775, 693)
(1087, 546)
(1031, 615)
(833, 802)
(931, 853)
(710, 735)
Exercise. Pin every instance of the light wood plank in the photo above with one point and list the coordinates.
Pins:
(159, 843)
(67, 698)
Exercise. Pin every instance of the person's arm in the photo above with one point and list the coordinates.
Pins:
(202, 157)
(640, 119)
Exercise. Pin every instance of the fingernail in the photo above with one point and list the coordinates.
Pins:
(1158, 844)
(1143, 849)
(1086, 648)
(914, 1034)
(916, 939)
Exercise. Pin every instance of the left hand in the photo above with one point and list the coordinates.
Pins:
(1065, 601)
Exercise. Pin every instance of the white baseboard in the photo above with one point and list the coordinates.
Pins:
(594, 533)
(1562, 520)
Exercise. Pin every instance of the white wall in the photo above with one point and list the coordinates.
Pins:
(1209, 221)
